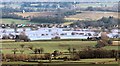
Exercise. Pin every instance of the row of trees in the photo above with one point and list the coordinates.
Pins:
(24, 57)
(73, 12)
(103, 22)
(11, 15)
(35, 50)
(48, 19)
(76, 55)
(98, 53)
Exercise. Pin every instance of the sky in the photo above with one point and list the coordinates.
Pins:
(59, 0)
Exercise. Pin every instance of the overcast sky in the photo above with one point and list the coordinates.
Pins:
(60, 0)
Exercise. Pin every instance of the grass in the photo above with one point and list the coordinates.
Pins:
(50, 46)
(26, 14)
(17, 21)
(82, 62)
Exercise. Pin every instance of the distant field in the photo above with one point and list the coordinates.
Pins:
(34, 14)
(92, 15)
(67, 23)
(85, 15)
(17, 21)
(50, 46)
(85, 5)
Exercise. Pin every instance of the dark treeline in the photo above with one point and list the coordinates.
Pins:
(103, 22)
(68, 13)
(84, 54)
(98, 53)
(47, 19)
(11, 15)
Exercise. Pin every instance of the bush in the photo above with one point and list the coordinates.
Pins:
(13, 57)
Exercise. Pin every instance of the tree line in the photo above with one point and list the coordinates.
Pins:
(103, 22)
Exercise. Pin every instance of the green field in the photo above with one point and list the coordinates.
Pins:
(62, 46)
(17, 21)
(82, 62)
(50, 46)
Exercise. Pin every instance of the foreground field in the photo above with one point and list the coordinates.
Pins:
(50, 46)
(82, 62)
(60, 62)
(62, 46)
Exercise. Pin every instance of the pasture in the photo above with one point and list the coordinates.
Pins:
(34, 14)
(50, 46)
(83, 62)
(17, 21)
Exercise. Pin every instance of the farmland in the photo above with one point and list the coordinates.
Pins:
(92, 15)
(86, 15)
(17, 21)
(50, 46)
(83, 62)
(60, 52)
(34, 14)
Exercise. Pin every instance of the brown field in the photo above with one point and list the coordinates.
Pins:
(92, 15)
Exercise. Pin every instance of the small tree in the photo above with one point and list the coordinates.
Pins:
(35, 50)
(22, 51)
(30, 47)
(14, 50)
(69, 49)
(42, 50)
(39, 51)
(55, 53)
(22, 45)
(74, 50)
